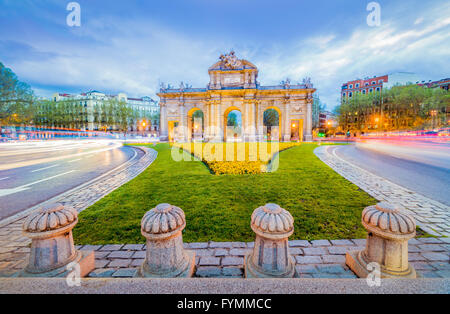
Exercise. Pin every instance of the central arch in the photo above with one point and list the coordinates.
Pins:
(274, 114)
(232, 128)
(196, 124)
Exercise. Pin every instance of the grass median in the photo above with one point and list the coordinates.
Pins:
(218, 208)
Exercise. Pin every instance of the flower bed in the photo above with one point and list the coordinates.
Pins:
(235, 158)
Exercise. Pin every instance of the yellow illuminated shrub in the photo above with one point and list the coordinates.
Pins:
(235, 158)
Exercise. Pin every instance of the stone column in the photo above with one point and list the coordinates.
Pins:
(213, 120)
(182, 125)
(164, 134)
(270, 257)
(162, 227)
(287, 124)
(387, 243)
(260, 122)
(219, 131)
(52, 249)
(206, 117)
(253, 123)
(249, 122)
(308, 134)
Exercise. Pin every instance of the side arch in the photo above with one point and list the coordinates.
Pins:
(225, 118)
(280, 119)
(189, 122)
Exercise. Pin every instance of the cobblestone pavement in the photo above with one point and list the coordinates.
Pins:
(14, 247)
(431, 216)
(314, 259)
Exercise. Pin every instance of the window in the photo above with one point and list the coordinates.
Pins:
(343, 94)
(371, 90)
(366, 84)
(364, 91)
(374, 82)
(357, 85)
(378, 89)
(350, 94)
(351, 86)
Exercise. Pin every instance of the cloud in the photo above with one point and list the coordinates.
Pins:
(115, 53)
(418, 21)
(367, 52)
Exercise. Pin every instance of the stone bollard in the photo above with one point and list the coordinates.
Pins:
(52, 249)
(166, 257)
(387, 243)
(270, 257)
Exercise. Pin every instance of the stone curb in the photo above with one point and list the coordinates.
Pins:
(24, 213)
(429, 256)
(223, 286)
(431, 216)
(14, 246)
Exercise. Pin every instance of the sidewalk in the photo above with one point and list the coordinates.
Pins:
(431, 216)
(14, 247)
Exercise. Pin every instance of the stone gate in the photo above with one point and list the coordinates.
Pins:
(233, 86)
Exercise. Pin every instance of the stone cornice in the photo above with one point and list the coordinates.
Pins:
(236, 92)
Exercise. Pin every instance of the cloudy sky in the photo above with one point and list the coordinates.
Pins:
(130, 46)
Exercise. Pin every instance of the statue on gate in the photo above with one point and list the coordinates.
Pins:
(230, 61)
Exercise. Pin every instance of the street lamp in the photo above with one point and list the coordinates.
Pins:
(143, 128)
(433, 119)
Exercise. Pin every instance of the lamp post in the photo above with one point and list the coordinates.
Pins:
(433, 115)
(377, 120)
(143, 128)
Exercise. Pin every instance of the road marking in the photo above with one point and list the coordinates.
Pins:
(75, 160)
(21, 188)
(51, 159)
(4, 178)
(45, 168)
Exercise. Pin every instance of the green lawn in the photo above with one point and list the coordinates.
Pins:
(218, 208)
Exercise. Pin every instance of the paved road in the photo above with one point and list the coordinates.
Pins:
(34, 172)
(412, 171)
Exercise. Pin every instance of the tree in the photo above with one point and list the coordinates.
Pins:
(16, 99)
(271, 118)
(232, 119)
(399, 108)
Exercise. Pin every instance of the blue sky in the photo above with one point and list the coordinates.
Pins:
(130, 46)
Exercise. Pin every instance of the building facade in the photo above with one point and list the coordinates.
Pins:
(443, 84)
(92, 103)
(233, 86)
(317, 107)
(376, 84)
(327, 120)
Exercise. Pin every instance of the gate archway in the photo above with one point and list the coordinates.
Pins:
(272, 124)
(233, 126)
(196, 124)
